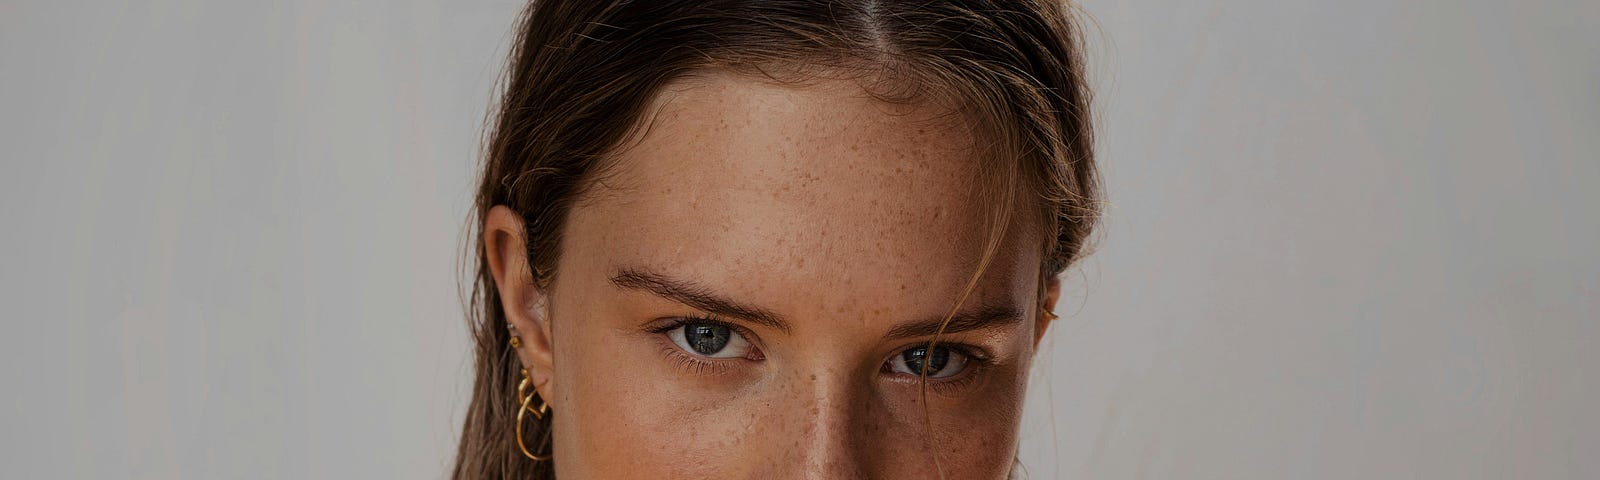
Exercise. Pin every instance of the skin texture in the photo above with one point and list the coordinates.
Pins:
(841, 214)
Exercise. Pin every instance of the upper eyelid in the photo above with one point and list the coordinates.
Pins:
(971, 351)
(689, 293)
(678, 322)
(694, 295)
(669, 323)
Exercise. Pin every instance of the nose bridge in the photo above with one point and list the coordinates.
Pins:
(837, 404)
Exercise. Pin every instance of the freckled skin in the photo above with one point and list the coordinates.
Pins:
(845, 215)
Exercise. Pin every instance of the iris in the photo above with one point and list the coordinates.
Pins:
(916, 357)
(706, 339)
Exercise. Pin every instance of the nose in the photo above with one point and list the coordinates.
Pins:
(835, 429)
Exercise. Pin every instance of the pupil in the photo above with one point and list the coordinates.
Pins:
(916, 356)
(706, 339)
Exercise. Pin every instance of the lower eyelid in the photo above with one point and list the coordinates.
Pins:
(690, 363)
(952, 386)
(976, 367)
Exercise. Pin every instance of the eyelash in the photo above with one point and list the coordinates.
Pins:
(695, 364)
(977, 362)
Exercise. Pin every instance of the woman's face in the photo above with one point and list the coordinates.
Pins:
(749, 291)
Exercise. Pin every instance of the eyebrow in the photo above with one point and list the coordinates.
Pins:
(697, 296)
(983, 318)
(703, 298)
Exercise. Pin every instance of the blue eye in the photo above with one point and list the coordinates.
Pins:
(708, 339)
(941, 362)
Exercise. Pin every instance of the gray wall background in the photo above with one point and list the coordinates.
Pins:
(1348, 240)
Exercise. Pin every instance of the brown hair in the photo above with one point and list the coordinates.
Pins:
(581, 73)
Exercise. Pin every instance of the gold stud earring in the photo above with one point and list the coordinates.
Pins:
(525, 399)
(516, 340)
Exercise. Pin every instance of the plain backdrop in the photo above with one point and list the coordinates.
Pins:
(1351, 239)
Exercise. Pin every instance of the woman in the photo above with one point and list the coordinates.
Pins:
(773, 238)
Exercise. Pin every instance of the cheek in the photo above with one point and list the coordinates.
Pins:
(983, 435)
(975, 434)
(639, 418)
(642, 422)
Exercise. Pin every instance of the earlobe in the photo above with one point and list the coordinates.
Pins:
(526, 306)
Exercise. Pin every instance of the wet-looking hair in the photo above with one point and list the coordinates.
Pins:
(582, 73)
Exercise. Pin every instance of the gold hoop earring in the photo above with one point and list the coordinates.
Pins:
(524, 407)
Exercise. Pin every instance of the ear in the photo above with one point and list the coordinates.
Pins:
(1047, 307)
(527, 307)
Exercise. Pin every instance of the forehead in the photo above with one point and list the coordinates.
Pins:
(737, 179)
